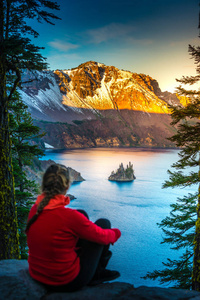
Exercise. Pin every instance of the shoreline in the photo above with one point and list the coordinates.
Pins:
(113, 148)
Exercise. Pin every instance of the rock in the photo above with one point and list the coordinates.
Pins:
(74, 175)
(123, 174)
(16, 283)
(101, 292)
(35, 173)
(72, 197)
(152, 293)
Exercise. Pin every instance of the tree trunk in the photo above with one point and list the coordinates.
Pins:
(196, 262)
(9, 238)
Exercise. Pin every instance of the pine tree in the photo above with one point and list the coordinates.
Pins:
(179, 227)
(24, 152)
(16, 53)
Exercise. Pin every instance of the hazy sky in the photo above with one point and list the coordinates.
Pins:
(142, 36)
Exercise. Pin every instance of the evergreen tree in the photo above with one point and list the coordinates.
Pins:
(23, 134)
(179, 227)
(16, 53)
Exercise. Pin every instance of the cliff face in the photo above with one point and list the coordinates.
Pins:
(130, 129)
(95, 105)
(16, 283)
(36, 172)
(96, 86)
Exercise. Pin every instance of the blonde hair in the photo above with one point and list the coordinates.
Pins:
(56, 180)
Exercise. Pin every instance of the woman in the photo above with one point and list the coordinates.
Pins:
(66, 250)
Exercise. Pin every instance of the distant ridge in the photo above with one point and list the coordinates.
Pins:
(102, 105)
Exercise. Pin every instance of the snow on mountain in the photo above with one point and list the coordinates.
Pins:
(87, 91)
(95, 105)
(43, 97)
(49, 95)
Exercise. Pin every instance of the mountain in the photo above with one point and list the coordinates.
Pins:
(95, 105)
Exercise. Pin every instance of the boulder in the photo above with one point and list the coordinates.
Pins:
(16, 283)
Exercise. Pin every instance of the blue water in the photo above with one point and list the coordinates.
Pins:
(133, 207)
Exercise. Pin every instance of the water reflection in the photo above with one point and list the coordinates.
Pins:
(122, 185)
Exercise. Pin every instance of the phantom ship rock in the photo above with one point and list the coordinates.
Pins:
(123, 174)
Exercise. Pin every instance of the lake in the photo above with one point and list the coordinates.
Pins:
(133, 207)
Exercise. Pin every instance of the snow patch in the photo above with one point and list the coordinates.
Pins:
(47, 146)
(51, 97)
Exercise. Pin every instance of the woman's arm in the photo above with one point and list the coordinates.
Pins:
(87, 230)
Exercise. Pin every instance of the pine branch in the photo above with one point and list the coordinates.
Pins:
(189, 79)
(176, 271)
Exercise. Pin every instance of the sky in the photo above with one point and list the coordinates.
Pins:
(141, 36)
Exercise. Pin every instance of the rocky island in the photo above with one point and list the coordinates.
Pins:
(123, 174)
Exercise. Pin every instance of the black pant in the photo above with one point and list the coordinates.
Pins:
(93, 257)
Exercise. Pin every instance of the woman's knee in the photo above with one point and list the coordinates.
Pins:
(83, 212)
(103, 223)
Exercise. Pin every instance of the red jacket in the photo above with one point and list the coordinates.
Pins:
(52, 240)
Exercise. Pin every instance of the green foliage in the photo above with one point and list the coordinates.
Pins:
(179, 226)
(23, 133)
(129, 172)
(182, 219)
(178, 271)
(78, 122)
(179, 230)
(17, 52)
